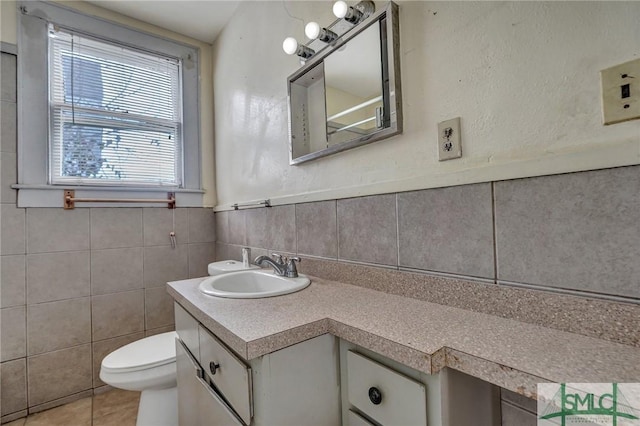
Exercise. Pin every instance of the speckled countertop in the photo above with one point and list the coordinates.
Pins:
(422, 335)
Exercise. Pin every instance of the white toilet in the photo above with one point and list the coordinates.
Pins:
(149, 366)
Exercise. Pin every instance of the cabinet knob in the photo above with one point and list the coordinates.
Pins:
(213, 367)
(375, 396)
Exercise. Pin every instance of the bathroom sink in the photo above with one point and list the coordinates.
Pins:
(252, 285)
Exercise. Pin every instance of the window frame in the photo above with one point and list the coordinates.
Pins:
(34, 189)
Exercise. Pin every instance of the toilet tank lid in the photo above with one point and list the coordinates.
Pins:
(226, 266)
(149, 352)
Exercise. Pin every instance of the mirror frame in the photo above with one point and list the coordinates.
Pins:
(391, 87)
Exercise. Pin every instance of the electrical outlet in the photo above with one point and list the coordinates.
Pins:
(449, 139)
(621, 92)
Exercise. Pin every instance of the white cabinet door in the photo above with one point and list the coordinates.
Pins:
(188, 387)
(198, 403)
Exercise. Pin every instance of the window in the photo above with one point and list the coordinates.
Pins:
(104, 107)
(114, 113)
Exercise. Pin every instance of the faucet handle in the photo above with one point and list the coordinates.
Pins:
(292, 271)
(279, 259)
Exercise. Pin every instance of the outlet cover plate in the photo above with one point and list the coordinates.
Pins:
(621, 92)
(449, 140)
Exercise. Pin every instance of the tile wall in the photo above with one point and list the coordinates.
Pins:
(574, 232)
(75, 285)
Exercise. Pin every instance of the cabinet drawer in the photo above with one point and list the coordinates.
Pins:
(384, 395)
(187, 329)
(227, 372)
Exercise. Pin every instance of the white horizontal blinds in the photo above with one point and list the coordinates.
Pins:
(115, 113)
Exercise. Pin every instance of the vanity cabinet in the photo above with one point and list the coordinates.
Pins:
(377, 391)
(323, 381)
(292, 386)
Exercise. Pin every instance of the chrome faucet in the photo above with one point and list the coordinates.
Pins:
(285, 267)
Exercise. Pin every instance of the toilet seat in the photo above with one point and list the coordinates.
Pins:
(150, 352)
(149, 363)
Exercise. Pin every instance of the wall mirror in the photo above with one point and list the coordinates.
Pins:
(348, 94)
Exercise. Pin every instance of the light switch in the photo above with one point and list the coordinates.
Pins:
(621, 92)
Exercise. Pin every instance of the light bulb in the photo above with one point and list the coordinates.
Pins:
(340, 9)
(312, 30)
(290, 45)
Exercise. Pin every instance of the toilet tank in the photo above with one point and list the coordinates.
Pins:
(226, 266)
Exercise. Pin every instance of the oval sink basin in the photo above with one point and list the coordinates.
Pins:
(252, 285)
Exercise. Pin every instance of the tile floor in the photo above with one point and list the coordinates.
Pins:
(113, 408)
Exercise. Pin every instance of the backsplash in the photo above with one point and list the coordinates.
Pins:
(78, 284)
(575, 232)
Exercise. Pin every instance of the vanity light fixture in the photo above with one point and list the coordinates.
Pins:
(351, 14)
(355, 14)
(314, 31)
(290, 46)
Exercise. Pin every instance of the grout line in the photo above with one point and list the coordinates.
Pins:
(144, 304)
(173, 249)
(92, 387)
(61, 251)
(397, 232)
(26, 358)
(337, 233)
(571, 292)
(335, 227)
(91, 212)
(361, 263)
(25, 234)
(91, 304)
(495, 233)
(446, 275)
(295, 225)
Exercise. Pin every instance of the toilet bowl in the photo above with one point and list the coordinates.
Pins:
(149, 366)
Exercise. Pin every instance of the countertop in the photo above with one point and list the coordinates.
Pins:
(425, 336)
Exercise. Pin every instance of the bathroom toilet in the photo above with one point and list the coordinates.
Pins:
(149, 366)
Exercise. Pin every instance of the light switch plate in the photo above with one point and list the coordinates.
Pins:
(621, 92)
(449, 139)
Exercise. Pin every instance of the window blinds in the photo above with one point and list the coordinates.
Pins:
(115, 114)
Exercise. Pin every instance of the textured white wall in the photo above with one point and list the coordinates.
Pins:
(524, 77)
(8, 29)
(8, 21)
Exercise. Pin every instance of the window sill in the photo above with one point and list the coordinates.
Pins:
(53, 196)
